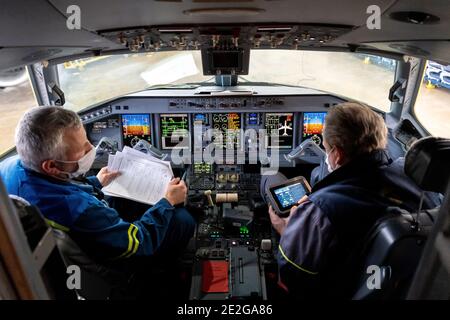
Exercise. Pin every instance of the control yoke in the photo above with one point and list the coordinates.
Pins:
(307, 144)
(105, 145)
(146, 147)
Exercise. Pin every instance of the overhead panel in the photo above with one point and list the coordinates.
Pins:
(260, 36)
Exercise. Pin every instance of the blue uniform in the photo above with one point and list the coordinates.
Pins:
(97, 228)
(316, 249)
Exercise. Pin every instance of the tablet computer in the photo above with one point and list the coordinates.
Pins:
(283, 196)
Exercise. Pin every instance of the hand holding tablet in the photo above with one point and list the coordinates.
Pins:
(283, 196)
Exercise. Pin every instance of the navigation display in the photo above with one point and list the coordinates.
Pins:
(134, 128)
(174, 131)
(313, 123)
(229, 124)
(280, 133)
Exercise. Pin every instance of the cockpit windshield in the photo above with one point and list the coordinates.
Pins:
(361, 77)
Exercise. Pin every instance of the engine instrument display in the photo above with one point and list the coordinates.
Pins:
(227, 129)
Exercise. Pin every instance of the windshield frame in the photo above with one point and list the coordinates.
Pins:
(56, 62)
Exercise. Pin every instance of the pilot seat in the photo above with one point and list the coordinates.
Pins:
(394, 246)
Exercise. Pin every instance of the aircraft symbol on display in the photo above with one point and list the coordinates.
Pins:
(285, 127)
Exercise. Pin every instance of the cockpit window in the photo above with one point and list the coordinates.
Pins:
(360, 77)
(16, 97)
(432, 104)
(89, 81)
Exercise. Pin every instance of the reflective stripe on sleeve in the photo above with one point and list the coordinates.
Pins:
(294, 264)
(133, 242)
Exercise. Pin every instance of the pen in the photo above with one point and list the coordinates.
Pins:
(184, 176)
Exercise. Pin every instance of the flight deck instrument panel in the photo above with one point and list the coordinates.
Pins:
(202, 124)
(233, 233)
(174, 131)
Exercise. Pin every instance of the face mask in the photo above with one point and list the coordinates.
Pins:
(330, 169)
(84, 164)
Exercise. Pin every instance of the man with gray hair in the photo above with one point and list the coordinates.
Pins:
(320, 237)
(53, 150)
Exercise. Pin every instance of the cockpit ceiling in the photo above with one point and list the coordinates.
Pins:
(32, 31)
(114, 14)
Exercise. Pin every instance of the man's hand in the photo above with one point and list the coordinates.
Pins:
(176, 192)
(105, 176)
(303, 199)
(279, 223)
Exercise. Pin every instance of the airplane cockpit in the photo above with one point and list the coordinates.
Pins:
(222, 139)
(223, 94)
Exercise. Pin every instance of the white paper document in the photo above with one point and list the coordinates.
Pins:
(143, 177)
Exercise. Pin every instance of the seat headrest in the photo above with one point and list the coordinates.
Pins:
(427, 162)
(19, 201)
(30, 217)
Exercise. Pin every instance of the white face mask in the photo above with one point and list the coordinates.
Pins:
(330, 169)
(84, 164)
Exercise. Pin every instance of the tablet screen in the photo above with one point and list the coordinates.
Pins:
(287, 196)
